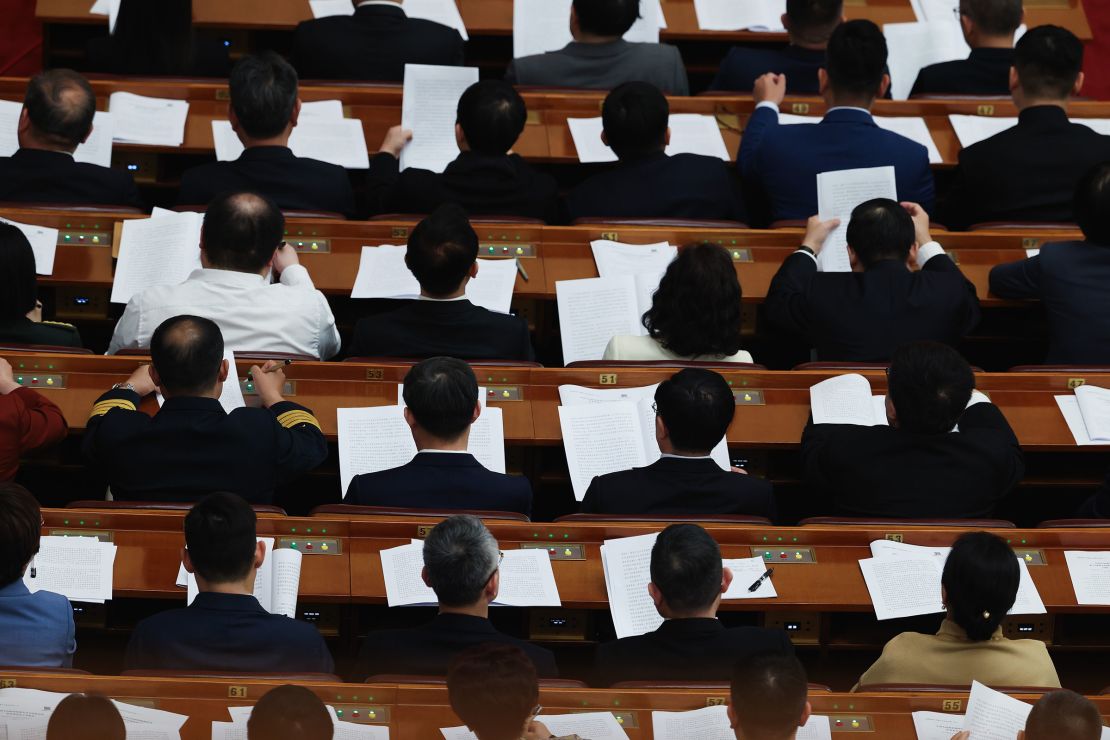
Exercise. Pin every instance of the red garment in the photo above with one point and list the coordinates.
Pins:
(1096, 58)
(27, 421)
(20, 39)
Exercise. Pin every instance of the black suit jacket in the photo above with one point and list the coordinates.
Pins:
(1026, 173)
(1098, 505)
(880, 471)
(442, 481)
(685, 650)
(25, 331)
(210, 59)
(864, 317)
(227, 632)
(744, 65)
(374, 44)
(428, 650)
(39, 176)
(984, 72)
(659, 186)
(448, 328)
(674, 486)
(295, 183)
(502, 185)
(1070, 279)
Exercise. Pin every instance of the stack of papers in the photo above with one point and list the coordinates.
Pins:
(914, 46)
(276, 584)
(443, 12)
(138, 119)
(143, 723)
(430, 110)
(321, 133)
(382, 273)
(44, 243)
(711, 723)
(1090, 576)
(937, 725)
(25, 713)
(904, 581)
(973, 129)
(591, 725)
(526, 578)
(751, 15)
(236, 729)
(1087, 414)
(847, 399)
(992, 715)
(540, 26)
(691, 133)
(79, 568)
(161, 250)
(838, 194)
(614, 259)
(96, 150)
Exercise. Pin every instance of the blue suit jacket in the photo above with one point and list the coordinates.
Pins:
(744, 65)
(36, 629)
(784, 161)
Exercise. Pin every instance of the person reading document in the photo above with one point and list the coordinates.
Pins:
(988, 27)
(290, 713)
(86, 717)
(1058, 715)
(769, 697)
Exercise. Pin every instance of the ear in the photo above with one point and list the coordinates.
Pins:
(604, 138)
(1021, 735)
(154, 377)
(473, 271)
(187, 561)
(730, 711)
(822, 80)
(1078, 84)
(409, 418)
(424, 577)
(656, 596)
(726, 579)
(892, 419)
(968, 27)
(806, 714)
(477, 412)
(853, 260)
(884, 86)
(660, 428)
(225, 371)
(24, 121)
(667, 137)
(1015, 81)
(259, 554)
(460, 138)
(296, 113)
(912, 259)
(493, 585)
(784, 19)
(233, 119)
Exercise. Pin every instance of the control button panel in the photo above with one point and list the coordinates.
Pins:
(851, 723)
(310, 545)
(362, 714)
(783, 555)
(40, 381)
(560, 551)
(84, 238)
(495, 250)
(504, 393)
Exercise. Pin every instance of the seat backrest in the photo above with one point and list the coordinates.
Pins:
(661, 223)
(842, 366)
(298, 213)
(51, 348)
(936, 688)
(37, 669)
(75, 207)
(264, 509)
(249, 355)
(410, 361)
(755, 521)
(1075, 524)
(874, 521)
(1023, 226)
(705, 685)
(711, 364)
(1072, 369)
(289, 677)
(545, 683)
(347, 510)
(480, 218)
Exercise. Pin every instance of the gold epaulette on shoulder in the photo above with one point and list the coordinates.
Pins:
(108, 404)
(292, 418)
(62, 324)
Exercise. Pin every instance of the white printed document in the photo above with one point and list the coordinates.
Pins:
(162, 250)
(336, 141)
(627, 566)
(443, 12)
(594, 310)
(592, 725)
(276, 584)
(44, 243)
(138, 119)
(750, 15)
(691, 133)
(614, 259)
(746, 572)
(147, 723)
(9, 127)
(914, 129)
(97, 149)
(937, 725)
(1087, 414)
(992, 715)
(838, 193)
(847, 399)
(28, 705)
(711, 723)
(1090, 576)
(973, 129)
(914, 46)
(540, 26)
(429, 110)
(79, 568)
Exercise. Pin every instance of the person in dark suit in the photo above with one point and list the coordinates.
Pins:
(443, 256)
(290, 713)
(374, 44)
(441, 404)
(687, 581)
(864, 315)
(809, 24)
(57, 117)
(192, 446)
(988, 27)
(225, 628)
(693, 411)
(769, 697)
(486, 177)
(264, 110)
(158, 39)
(939, 457)
(649, 183)
(1062, 715)
(462, 566)
(1070, 278)
(1029, 172)
(20, 309)
(782, 162)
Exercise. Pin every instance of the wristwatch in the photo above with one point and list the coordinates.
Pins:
(807, 250)
(124, 387)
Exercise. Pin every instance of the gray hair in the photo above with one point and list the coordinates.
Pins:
(460, 555)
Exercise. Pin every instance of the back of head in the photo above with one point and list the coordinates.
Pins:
(493, 689)
(635, 117)
(696, 310)
(61, 106)
(993, 17)
(1063, 715)
(19, 285)
(813, 21)
(686, 568)
(441, 250)
(155, 38)
(769, 696)
(290, 713)
(880, 229)
(606, 17)
(263, 94)
(220, 534)
(696, 406)
(492, 115)
(20, 530)
(85, 717)
(1092, 204)
(441, 393)
(460, 556)
(980, 583)
(187, 352)
(856, 59)
(241, 231)
(1048, 60)
(929, 384)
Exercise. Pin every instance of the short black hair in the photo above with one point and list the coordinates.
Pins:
(241, 231)
(1092, 204)
(441, 250)
(696, 405)
(441, 393)
(980, 582)
(187, 351)
(880, 229)
(930, 384)
(856, 58)
(19, 284)
(768, 695)
(1048, 60)
(635, 117)
(220, 532)
(290, 713)
(1063, 715)
(696, 309)
(86, 717)
(814, 20)
(61, 105)
(20, 531)
(994, 17)
(263, 94)
(492, 116)
(606, 17)
(686, 568)
(493, 689)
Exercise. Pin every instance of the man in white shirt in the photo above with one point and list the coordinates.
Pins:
(241, 244)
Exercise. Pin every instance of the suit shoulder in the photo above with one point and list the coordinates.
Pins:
(431, 28)
(321, 168)
(107, 174)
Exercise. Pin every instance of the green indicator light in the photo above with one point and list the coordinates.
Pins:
(309, 530)
(550, 536)
(324, 531)
(65, 522)
(82, 522)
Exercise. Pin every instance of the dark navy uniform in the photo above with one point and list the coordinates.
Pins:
(192, 447)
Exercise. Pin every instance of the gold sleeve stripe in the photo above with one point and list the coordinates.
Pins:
(113, 403)
(291, 419)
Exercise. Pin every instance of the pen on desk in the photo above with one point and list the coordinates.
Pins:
(759, 582)
(521, 270)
